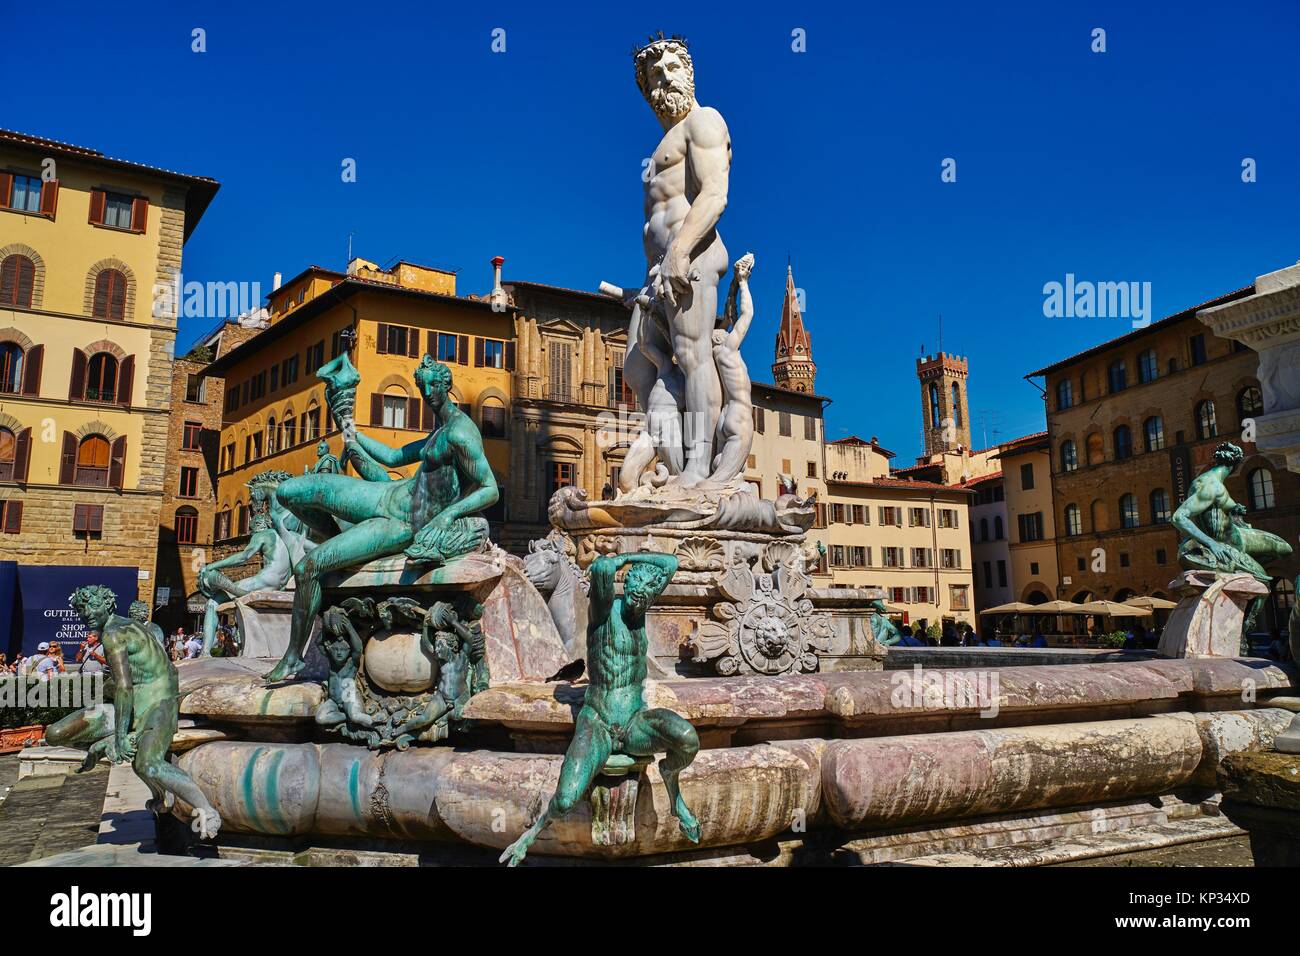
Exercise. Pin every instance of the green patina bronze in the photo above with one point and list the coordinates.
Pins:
(882, 628)
(140, 723)
(614, 723)
(1213, 536)
(431, 517)
(358, 709)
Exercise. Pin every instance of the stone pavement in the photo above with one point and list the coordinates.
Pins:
(44, 816)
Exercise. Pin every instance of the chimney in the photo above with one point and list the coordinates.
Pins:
(498, 296)
(276, 281)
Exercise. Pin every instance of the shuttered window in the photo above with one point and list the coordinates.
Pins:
(110, 296)
(17, 280)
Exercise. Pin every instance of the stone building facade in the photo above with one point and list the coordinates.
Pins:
(1030, 518)
(86, 352)
(573, 417)
(1131, 422)
(186, 516)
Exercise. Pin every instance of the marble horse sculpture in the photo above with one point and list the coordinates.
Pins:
(432, 517)
(279, 539)
(1213, 535)
(551, 568)
(614, 723)
(140, 723)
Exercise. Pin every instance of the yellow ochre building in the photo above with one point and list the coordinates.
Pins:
(85, 372)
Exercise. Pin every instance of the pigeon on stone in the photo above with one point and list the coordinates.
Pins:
(569, 672)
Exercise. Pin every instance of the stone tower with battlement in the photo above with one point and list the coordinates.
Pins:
(945, 413)
(794, 367)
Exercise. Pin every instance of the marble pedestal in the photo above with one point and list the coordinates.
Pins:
(1261, 794)
(264, 619)
(1208, 619)
(1269, 322)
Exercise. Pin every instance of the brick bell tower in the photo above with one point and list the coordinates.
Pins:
(794, 367)
(945, 414)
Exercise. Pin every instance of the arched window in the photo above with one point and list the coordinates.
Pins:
(493, 417)
(1064, 394)
(110, 295)
(1073, 520)
(272, 435)
(92, 461)
(101, 378)
(1250, 402)
(1153, 433)
(187, 525)
(984, 529)
(1117, 376)
(1128, 511)
(17, 279)
(1261, 489)
(241, 510)
(1123, 443)
(934, 405)
(1100, 516)
(1148, 367)
(1096, 450)
(956, 404)
(221, 525)
(1207, 425)
(998, 533)
(11, 368)
(8, 453)
(1160, 506)
(1069, 456)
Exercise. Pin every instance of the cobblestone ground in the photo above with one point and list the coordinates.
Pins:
(42, 816)
(1232, 852)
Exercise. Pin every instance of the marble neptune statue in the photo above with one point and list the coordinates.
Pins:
(670, 362)
(432, 516)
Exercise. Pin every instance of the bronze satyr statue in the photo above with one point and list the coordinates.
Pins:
(614, 720)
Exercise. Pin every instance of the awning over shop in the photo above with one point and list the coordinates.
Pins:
(43, 593)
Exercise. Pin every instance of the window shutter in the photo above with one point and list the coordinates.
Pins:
(376, 408)
(68, 462)
(139, 214)
(412, 343)
(13, 517)
(32, 363)
(77, 386)
(22, 454)
(49, 197)
(462, 349)
(430, 419)
(413, 412)
(381, 340)
(6, 187)
(510, 356)
(431, 340)
(97, 206)
(478, 352)
(117, 464)
(25, 284)
(125, 380)
(95, 524)
(9, 280)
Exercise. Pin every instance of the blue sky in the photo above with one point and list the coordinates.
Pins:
(1123, 165)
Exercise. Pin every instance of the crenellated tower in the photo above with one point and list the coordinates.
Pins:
(945, 415)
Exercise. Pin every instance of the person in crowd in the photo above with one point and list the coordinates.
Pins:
(948, 636)
(193, 646)
(91, 655)
(49, 662)
(1038, 641)
(4, 664)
